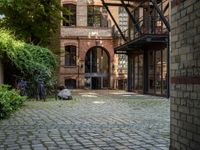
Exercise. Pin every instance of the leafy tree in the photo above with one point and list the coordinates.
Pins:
(32, 20)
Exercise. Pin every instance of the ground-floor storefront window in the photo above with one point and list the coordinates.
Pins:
(148, 72)
(157, 72)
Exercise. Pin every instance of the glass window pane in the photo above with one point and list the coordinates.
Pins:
(70, 55)
(70, 18)
(96, 17)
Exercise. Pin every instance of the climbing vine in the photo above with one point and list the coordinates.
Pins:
(33, 61)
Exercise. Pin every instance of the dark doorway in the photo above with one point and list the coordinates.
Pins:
(96, 83)
(11, 74)
(97, 68)
(70, 83)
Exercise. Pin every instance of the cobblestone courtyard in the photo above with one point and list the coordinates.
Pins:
(93, 120)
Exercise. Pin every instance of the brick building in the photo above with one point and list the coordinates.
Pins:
(87, 58)
(185, 75)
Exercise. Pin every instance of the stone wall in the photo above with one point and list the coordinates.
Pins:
(89, 32)
(185, 75)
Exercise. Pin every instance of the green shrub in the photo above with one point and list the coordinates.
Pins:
(32, 61)
(10, 100)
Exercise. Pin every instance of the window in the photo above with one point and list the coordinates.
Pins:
(70, 55)
(70, 18)
(122, 63)
(97, 16)
(70, 83)
(97, 61)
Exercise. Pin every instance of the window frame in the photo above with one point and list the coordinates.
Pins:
(71, 18)
(96, 12)
(70, 57)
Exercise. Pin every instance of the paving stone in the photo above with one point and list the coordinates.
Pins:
(108, 121)
(95, 148)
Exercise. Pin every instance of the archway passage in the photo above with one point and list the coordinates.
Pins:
(97, 68)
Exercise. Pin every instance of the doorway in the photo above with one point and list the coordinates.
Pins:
(157, 72)
(97, 68)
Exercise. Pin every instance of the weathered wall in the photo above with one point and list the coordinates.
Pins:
(86, 31)
(185, 75)
(81, 13)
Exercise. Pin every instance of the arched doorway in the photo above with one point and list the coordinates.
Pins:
(97, 68)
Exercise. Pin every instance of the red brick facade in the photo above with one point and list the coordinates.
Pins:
(85, 37)
(83, 44)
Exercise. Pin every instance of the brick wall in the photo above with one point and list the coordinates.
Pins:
(84, 44)
(185, 75)
(81, 18)
(84, 38)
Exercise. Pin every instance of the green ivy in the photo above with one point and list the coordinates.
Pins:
(10, 101)
(33, 61)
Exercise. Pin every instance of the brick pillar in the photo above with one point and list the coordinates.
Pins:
(130, 72)
(81, 13)
(185, 75)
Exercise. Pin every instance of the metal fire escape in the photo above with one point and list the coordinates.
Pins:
(151, 26)
(148, 30)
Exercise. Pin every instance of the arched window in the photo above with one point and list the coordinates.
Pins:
(70, 55)
(70, 18)
(97, 61)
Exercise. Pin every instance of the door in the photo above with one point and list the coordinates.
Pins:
(97, 68)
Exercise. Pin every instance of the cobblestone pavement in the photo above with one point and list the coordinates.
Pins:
(95, 120)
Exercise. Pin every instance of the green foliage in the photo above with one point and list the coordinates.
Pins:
(32, 20)
(33, 61)
(10, 101)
